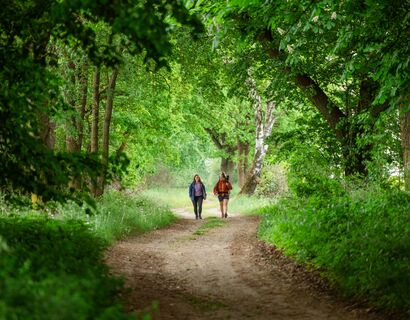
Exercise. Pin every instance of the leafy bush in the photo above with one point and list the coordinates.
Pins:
(53, 269)
(360, 239)
(310, 173)
(273, 181)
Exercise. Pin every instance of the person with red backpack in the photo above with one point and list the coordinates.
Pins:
(222, 189)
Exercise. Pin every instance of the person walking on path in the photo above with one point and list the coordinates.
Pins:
(197, 193)
(222, 190)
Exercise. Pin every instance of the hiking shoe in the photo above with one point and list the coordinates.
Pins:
(226, 215)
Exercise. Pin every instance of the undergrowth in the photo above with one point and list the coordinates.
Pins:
(53, 270)
(249, 205)
(361, 238)
(170, 197)
(51, 260)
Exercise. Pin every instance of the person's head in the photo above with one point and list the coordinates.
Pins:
(224, 176)
(197, 178)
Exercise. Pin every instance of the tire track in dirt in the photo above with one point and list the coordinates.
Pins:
(216, 275)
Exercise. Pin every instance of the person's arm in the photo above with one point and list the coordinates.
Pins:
(229, 185)
(204, 191)
(190, 191)
(216, 188)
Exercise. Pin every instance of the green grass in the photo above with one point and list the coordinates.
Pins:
(360, 239)
(204, 305)
(169, 197)
(119, 215)
(52, 269)
(209, 223)
(51, 261)
(249, 205)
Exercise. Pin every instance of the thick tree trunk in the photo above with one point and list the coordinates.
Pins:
(94, 124)
(107, 122)
(405, 143)
(264, 125)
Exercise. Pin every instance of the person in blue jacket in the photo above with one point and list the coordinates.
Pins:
(197, 193)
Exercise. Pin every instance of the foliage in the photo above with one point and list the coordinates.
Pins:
(118, 214)
(360, 240)
(326, 52)
(30, 91)
(169, 197)
(54, 269)
(249, 205)
(273, 182)
(310, 173)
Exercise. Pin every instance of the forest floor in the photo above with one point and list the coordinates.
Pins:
(220, 273)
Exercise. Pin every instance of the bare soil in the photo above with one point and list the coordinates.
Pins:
(225, 273)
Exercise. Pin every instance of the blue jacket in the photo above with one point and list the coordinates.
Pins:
(192, 191)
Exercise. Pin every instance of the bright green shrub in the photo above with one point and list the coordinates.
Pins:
(361, 240)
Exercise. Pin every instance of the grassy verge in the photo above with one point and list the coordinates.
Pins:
(51, 266)
(248, 205)
(209, 223)
(170, 197)
(119, 215)
(52, 269)
(360, 239)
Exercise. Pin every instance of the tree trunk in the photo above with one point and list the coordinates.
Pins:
(74, 143)
(405, 143)
(95, 110)
(94, 124)
(71, 143)
(227, 165)
(243, 163)
(264, 127)
(83, 104)
(107, 122)
(47, 133)
(354, 154)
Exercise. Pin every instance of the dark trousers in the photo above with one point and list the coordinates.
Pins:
(197, 202)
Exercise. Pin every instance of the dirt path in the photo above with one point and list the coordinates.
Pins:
(220, 274)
